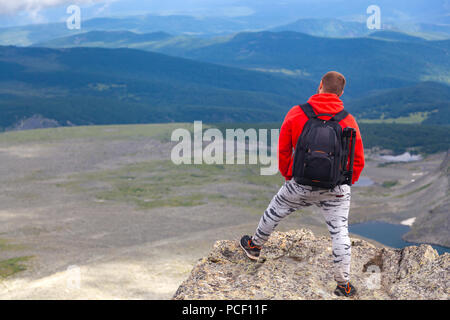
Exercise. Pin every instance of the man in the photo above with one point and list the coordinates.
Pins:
(334, 203)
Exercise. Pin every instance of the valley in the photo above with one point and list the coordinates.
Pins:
(108, 200)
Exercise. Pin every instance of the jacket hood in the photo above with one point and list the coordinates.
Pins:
(326, 103)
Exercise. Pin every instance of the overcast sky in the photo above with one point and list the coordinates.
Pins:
(14, 12)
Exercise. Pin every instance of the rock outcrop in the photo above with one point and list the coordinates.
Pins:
(433, 219)
(298, 265)
(34, 122)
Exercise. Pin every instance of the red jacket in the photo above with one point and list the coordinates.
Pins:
(293, 125)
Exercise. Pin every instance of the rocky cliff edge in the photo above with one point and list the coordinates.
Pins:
(298, 265)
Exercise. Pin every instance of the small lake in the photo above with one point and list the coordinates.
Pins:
(405, 157)
(388, 234)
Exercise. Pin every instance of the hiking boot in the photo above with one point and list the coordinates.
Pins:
(251, 250)
(346, 290)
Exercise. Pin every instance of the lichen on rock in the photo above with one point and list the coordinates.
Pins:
(298, 265)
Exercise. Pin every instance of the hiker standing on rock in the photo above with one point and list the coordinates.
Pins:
(319, 166)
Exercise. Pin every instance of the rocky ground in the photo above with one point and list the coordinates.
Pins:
(297, 264)
(109, 201)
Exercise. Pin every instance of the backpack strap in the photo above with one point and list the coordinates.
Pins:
(309, 111)
(340, 116)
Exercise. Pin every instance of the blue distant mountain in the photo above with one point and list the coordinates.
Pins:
(214, 26)
(326, 28)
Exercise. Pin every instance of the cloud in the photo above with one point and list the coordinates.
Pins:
(33, 7)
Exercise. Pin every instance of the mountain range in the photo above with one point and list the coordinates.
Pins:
(182, 25)
(382, 60)
(101, 86)
(252, 76)
(174, 24)
(113, 65)
(369, 64)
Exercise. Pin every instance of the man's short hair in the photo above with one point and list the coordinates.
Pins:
(333, 82)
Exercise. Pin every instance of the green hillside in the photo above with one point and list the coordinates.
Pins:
(107, 39)
(395, 36)
(393, 30)
(156, 41)
(105, 86)
(108, 86)
(325, 28)
(369, 64)
(427, 102)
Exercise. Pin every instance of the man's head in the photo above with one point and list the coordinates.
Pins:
(332, 82)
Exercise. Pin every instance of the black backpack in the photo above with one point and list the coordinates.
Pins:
(320, 156)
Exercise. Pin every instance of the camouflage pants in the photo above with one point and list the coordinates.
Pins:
(335, 206)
